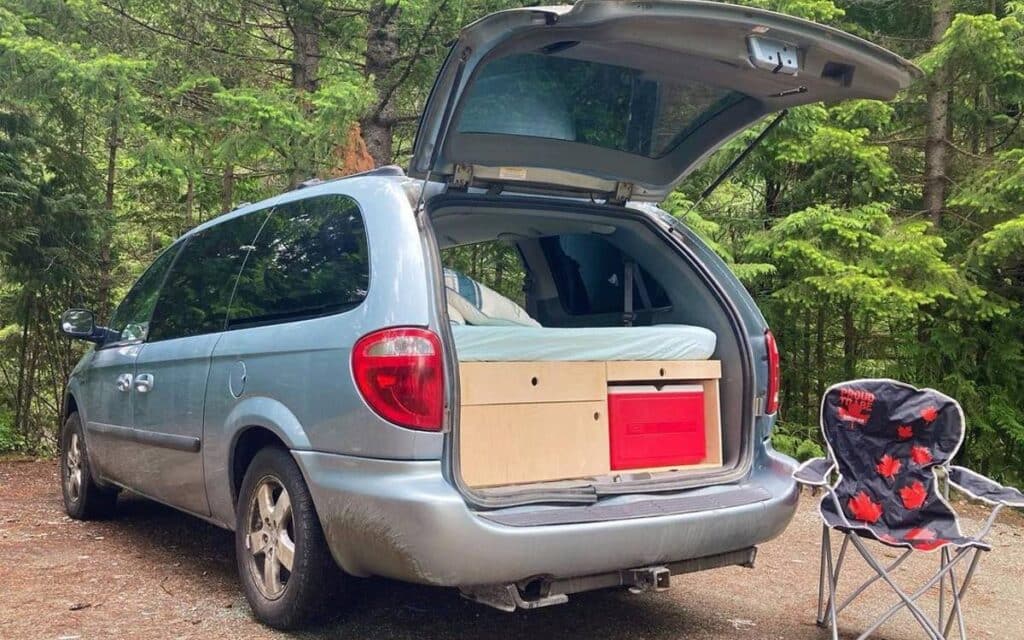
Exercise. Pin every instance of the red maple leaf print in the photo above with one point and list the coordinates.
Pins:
(920, 535)
(905, 432)
(928, 414)
(863, 508)
(888, 466)
(924, 539)
(920, 455)
(931, 544)
(913, 495)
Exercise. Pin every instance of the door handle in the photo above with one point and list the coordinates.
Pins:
(124, 382)
(144, 382)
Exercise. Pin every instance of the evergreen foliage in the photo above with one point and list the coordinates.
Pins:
(125, 122)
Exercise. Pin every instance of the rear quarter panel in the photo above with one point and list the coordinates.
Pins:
(298, 379)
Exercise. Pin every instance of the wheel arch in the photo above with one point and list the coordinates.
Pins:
(255, 423)
(247, 443)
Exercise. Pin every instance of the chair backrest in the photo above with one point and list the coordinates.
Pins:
(886, 438)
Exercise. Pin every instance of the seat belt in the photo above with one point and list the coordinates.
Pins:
(641, 285)
(627, 304)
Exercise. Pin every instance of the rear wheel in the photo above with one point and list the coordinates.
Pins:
(283, 561)
(84, 499)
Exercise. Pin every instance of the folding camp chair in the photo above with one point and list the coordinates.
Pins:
(889, 445)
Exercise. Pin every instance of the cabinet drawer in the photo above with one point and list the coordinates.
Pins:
(516, 443)
(632, 370)
(488, 383)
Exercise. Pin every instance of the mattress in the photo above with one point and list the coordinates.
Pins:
(529, 344)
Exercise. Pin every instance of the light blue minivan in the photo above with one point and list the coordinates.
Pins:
(300, 370)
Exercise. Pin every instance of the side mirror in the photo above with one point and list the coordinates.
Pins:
(80, 324)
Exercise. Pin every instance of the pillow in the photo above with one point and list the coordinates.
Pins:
(454, 316)
(480, 305)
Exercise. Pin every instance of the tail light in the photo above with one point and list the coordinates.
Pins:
(771, 404)
(400, 375)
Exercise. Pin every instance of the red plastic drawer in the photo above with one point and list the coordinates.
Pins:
(656, 428)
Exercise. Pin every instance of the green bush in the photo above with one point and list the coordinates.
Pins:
(803, 442)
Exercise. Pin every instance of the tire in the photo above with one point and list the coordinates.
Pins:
(298, 596)
(84, 499)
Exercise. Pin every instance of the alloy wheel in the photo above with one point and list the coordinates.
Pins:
(73, 468)
(270, 537)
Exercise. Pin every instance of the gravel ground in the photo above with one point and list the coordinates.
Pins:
(155, 573)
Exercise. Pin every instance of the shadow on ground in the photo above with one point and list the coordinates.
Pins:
(378, 608)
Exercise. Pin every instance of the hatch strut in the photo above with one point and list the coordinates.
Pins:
(443, 129)
(738, 159)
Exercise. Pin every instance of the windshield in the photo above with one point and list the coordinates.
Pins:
(545, 96)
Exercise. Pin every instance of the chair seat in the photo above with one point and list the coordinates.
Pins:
(920, 539)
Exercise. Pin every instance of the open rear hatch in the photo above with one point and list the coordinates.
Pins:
(621, 100)
(617, 101)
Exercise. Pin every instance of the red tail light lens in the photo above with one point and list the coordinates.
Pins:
(771, 404)
(401, 376)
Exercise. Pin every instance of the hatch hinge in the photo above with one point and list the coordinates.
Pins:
(462, 177)
(623, 192)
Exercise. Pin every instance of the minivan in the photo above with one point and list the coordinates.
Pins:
(310, 373)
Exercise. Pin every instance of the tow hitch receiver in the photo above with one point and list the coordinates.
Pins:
(546, 591)
(649, 579)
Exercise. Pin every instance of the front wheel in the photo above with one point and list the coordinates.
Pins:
(83, 498)
(286, 569)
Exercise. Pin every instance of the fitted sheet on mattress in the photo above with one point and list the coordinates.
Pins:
(527, 344)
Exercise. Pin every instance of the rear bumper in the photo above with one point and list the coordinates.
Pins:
(402, 520)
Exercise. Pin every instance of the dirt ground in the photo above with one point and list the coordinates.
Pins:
(155, 573)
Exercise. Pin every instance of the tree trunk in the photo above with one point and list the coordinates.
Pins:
(227, 188)
(190, 200)
(306, 50)
(305, 31)
(935, 151)
(849, 343)
(106, 257)
(819, 351)
(21, 393)
(381, 57)
(806, 404)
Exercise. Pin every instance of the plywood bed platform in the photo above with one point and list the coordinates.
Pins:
(527, 422)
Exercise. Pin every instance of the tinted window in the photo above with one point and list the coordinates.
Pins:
(546, 96)
(590, 272)
(195, 298)
(130, 322)
(310, 259)
(494, 263)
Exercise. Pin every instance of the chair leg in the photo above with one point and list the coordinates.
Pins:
(908, 600)
(955, 593)
(833, 617)
(837, 571)
(958, 595)
(821, 577)
(870, 581)
(943, 560)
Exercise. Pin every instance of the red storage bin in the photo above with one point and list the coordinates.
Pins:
(656, 428)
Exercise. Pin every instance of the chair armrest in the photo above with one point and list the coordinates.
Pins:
(985, 489)
(815, 472)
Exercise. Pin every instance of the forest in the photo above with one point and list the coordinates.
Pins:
(879, 239)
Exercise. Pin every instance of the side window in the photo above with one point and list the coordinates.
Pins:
(590, 273)
(195, 297)
(130, 323)
(310, 259)
(494, 263)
